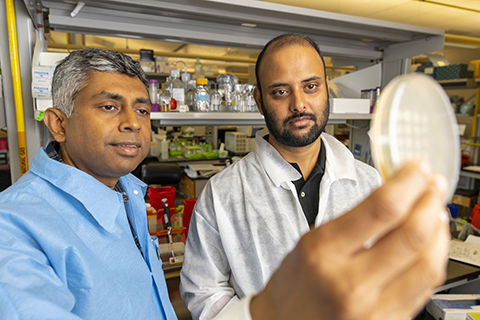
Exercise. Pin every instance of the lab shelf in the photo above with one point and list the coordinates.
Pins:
(460, 84)
(470, 174)
(233, 118)
(219, 23)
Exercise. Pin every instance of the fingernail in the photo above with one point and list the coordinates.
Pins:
(441, 183)
(425, 166)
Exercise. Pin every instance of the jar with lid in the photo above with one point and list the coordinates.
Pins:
(202, 96)
(176, 88)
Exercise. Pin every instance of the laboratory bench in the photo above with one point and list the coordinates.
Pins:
(458, 273)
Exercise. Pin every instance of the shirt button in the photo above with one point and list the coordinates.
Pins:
(135, 191)
(151, 274)
(302, 194)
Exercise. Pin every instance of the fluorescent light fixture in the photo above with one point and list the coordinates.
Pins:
(250, 25)
(460, 45)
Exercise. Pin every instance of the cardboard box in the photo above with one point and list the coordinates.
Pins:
(463, 200)
(192, 187)
(453, 306)
(473, 316)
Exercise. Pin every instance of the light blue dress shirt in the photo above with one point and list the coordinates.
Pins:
(67, 251)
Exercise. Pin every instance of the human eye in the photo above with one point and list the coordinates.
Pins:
(279, 93)
(143, 111)
(311, 87)
(108, 107)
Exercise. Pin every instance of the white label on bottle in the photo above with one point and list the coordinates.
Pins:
(179, 95)
(216, 100)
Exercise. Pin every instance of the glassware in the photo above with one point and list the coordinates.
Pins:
(176, 88)
(251, 103)
(239, 101)
(153, 92)
(202, 96)
(190, 94)
(215, 98)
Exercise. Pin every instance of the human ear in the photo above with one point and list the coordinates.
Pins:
(258, 99)
(56, 122)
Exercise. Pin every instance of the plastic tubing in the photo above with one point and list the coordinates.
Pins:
(17, 86)
(184, 65)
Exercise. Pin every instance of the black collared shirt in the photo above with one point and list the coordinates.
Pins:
(309, 191)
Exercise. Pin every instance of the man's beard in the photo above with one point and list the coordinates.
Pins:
(286, 137)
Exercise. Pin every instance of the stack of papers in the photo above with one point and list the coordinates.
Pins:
(468, 251)
(201, 170)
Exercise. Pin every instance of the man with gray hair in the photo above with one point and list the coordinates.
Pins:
(74, 241)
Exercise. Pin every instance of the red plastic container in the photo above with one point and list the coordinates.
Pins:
(155, 196)
(3, 144)
(475, 216)
(187, 213)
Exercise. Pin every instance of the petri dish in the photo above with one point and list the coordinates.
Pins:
(414, 119)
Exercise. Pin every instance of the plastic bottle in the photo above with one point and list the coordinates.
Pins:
(225, 87)
(251, 103)
(198, 69)
(164, 146)
(378, 91)
(153, 92)
(202, 96)
(176, 87)
(190, 94)
(186, 77)
(154, 147)
(215, 98)
(239, 101)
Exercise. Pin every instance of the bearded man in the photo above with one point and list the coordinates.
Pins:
(253, 213)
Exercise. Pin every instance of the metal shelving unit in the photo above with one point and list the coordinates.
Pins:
(456, 84)
(231, 118)
(347, 39)
(218, 22)
(459, 84)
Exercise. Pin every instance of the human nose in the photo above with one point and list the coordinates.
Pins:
(129, 120)
(298, 102)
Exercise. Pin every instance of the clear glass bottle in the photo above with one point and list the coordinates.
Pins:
(163, 99)
(225, 87)
(251, 103)
(176, 88)
(202, 96)
(153, 92)
(190, 94)
(238, 101)
(215, 98)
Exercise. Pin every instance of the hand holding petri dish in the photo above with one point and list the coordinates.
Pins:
(414, 119)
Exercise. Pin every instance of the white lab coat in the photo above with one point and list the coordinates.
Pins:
(249, 217)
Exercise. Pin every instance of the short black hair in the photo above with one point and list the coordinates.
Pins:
(282, 41)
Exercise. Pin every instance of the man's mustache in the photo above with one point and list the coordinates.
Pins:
(298, 115)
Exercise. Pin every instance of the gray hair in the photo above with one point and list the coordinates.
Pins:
(71, 74)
